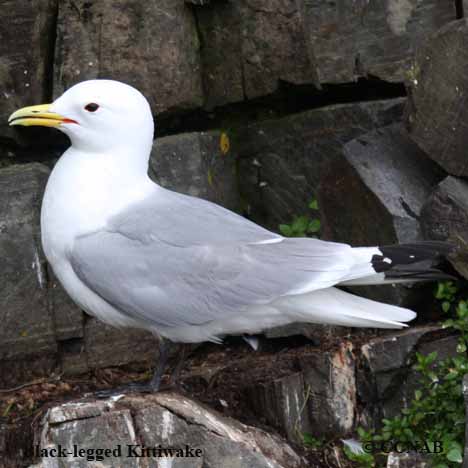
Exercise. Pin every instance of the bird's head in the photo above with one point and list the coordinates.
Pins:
(97, 115)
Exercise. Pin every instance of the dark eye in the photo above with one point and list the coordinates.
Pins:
(92, 107)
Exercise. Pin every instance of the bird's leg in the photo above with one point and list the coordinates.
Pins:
(147, 387)
(184, 352)
(164, 350)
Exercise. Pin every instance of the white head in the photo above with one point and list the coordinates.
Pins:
(98, 116)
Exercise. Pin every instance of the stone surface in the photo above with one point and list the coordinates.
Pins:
(437, 117)
(385, 379)
(378, 187)
(221, 52)
(361, 38)
(282, 160)
(26, 55)
(250, 46)
(274, 46)
(40, 323)
(27, 330)
(445, 217)
(320, 399)
(407, 460)
(382, 176)
(108, 346)
(150, 45)
(199, 164)
(160, 420)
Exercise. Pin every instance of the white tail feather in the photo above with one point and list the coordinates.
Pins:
(336, 307)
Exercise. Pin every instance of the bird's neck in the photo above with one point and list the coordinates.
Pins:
(84, 191)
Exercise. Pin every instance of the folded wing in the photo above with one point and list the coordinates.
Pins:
(176, 260)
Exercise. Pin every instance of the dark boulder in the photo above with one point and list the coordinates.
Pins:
(376, 39)
(445, 217)
(152, 46)
(26, 55)
(437, 115)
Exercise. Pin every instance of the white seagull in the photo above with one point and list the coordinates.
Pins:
(134, 254)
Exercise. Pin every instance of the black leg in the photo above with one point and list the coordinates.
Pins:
(184, 353)
(144, 387)
(164, 351)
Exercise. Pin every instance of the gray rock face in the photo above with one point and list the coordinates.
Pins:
(39, 321)
(445, 217)
(407, 460)
(250, 46)
(352, 39)
(282, 160)
(220, 31)
(26, 37)
(378, 188)
(274, 46)
(437, 116)
(198, 164)
(385, 379)
(319, 400)
(382, 176)
(127, 424)
(27, 326)
(150, 45)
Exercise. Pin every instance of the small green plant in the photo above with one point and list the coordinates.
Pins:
(362, 460)
(446, 292)
(302, 226)
(437, 411)
(312, 442)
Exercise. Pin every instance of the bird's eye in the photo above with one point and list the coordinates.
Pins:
(92, 107)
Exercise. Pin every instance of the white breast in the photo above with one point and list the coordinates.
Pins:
(82, 192)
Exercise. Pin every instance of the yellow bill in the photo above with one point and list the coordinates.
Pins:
(38, 115)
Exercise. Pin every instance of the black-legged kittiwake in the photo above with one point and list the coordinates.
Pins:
(134, 254)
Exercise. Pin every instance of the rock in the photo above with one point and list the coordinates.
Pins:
(283, 403)
(282, 160)
(131, 424)
(385, 379)
(407, 460)
(250, 46)
(445, 217)
(39, 321)
(330, 377)
(382, 176)
(274, 46)
(319, 400)
(220, 31)
(152, 46)
(436, 114)
(198, 164)
(108, 346)
(26, 55)
(377, 39)
(27, 331)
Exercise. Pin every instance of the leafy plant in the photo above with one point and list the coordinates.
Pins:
(363, 460)
(311, 441)
(302, 226)
(437, 411)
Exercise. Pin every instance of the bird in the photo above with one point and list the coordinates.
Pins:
(135, 254)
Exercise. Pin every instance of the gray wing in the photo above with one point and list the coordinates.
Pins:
(176, 260)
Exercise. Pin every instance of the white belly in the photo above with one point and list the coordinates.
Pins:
(79, 199)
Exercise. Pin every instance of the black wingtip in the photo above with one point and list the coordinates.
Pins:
(413, 261)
